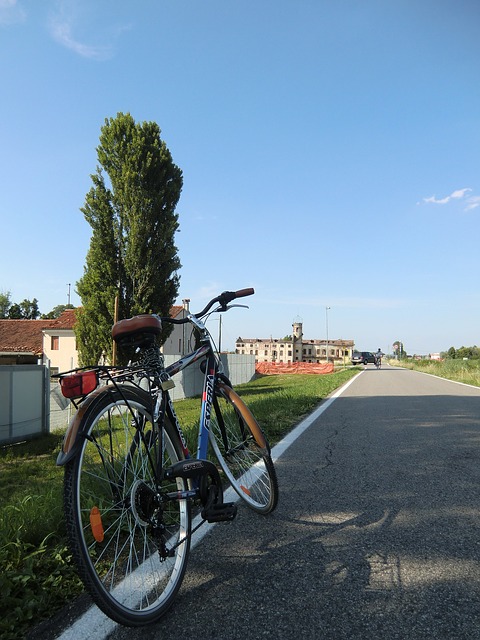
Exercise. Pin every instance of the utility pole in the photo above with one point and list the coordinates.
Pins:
(326, 323)
(220, 334)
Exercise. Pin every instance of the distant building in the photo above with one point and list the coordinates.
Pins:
(295, 348)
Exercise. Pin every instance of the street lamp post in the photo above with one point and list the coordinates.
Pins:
(326, 324)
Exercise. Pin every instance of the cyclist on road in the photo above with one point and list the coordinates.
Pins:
(378, 357)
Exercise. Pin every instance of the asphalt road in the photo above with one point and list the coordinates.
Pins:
(377, 532)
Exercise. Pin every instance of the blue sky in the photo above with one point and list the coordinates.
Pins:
(330, 151)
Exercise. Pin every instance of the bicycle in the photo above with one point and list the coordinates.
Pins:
(378, 359)
(131, 485)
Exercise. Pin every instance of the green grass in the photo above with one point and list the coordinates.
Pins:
(466, 371)
(36, 575)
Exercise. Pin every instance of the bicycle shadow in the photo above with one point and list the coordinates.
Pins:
(297, 562)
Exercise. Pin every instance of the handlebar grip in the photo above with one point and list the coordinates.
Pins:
(242, 293)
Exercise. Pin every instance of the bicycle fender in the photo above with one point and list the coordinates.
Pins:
(70, 444)
(247, 415)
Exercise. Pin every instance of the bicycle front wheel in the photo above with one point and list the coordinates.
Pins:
(242, 450)
(129, 533)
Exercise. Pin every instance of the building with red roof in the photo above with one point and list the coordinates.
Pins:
(54, 342)
(33, 341)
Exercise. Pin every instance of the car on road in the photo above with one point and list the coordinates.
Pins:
(363, 357)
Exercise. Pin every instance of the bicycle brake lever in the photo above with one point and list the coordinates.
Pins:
(230, 306)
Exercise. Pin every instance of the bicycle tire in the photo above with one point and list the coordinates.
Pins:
(128, 573)
(242, 450)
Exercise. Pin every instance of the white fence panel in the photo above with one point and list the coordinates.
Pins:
(189, 382)
(24, 402)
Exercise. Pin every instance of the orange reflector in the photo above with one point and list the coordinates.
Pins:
(96, 524)
(245, 489)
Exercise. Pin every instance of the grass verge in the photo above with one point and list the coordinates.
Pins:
(466, 371)
(37, 577)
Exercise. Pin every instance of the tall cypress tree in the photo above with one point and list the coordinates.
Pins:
(132, 251)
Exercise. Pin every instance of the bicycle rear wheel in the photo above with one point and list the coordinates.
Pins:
(242, 450)
(129, 540)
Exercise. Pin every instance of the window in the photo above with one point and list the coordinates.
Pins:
(55, 343)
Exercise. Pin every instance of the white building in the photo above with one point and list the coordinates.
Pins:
(295, 348)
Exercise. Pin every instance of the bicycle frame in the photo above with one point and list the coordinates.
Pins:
(211, 370)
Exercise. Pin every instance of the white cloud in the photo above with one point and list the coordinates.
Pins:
(456, 195)
(472, 203)
(11, 11)
(61, 30)
(66, 22)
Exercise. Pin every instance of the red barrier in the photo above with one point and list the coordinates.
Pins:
(273, 368)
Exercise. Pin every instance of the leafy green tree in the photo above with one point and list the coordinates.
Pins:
(5, 303)
(452, 353)
(15, 312)
(132, 254)
(29, 309)
(470, 353)
(57, 311)
(25, 310)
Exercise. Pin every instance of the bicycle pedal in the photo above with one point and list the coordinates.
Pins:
(221, 512)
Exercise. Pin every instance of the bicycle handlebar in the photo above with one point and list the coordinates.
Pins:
(223, 299)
